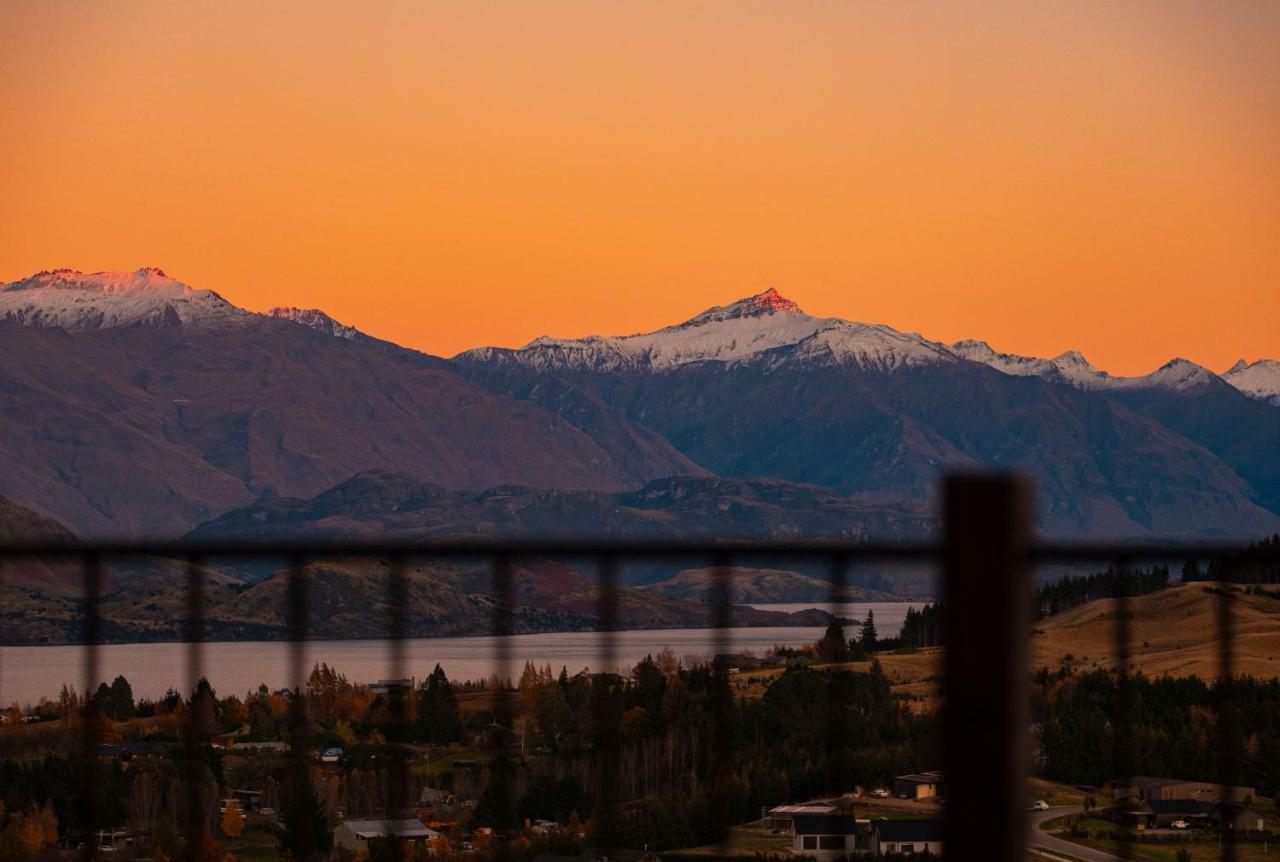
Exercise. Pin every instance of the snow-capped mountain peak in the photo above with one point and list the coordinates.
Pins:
(1260, 379)
(71, 299)
(1073, 359)
(765, 327)
(315, 319)
(1177, 373)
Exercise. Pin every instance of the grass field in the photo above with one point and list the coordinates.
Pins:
(749, 839)
(1174, 633)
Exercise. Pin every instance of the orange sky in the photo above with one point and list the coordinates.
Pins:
(1102, 176)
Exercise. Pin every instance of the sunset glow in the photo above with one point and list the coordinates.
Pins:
(1094, 176)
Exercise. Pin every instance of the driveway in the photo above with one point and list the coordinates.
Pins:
(1044, 841)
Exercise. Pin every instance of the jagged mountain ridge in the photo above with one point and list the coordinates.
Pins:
(766, 325)
(207, 407)
(760, 388)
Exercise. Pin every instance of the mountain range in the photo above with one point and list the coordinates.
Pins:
(133, 404)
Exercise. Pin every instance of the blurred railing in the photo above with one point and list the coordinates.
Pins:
(986, 554)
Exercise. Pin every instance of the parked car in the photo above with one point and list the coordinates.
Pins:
(881, 793)
(1039, 805)
(1180, 824)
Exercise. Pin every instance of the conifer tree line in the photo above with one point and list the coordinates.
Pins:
(1173, 723)
(1074, 590)
(1250, 566)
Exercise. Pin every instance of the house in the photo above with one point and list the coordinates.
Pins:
(1198, 814)
(907, 837)
(1162, 813)
(1145, 787)
(920, 785)
(331, 755)
(355, 835)
(828, 831)
(779, 819)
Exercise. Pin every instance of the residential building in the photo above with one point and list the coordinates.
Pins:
(1196, 813)
(907, 837)
(920, 785)
(1145, 787)
(825, 830)
(1163, 813)
(355, 835)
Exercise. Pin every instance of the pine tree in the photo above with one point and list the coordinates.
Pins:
(868, 636)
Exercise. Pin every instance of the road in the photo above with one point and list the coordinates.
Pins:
(1044, 841)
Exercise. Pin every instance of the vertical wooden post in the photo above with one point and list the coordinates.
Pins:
(986, 714)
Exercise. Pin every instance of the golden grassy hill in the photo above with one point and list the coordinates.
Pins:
(1174, 632)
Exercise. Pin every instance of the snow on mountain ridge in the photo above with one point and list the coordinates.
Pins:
(1260, 379)
(1178, 374)
(71, 299)
(1070, 367)
(315, 319)
(741, 331)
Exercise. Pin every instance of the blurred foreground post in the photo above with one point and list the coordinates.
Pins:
(986, 713)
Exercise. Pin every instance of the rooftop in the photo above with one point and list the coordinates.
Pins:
(379, 828)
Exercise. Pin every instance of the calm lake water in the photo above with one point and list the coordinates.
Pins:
(29, 673)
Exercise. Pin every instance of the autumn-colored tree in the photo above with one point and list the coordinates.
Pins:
(232, 822)
(25, 834)
(14, 727)
(342, 730)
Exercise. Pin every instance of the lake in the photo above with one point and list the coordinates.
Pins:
(28, 673)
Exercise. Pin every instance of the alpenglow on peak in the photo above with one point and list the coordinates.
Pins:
(760, 305)
(74, 300)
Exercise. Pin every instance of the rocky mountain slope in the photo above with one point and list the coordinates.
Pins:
(759, 388)
(131, 404)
